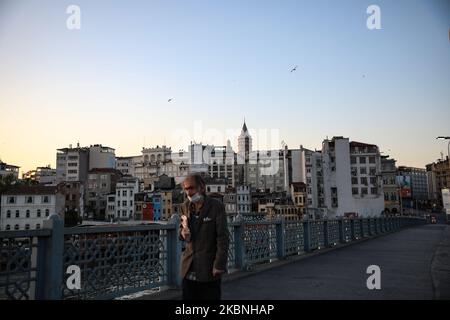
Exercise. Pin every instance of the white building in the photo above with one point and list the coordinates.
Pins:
(101, 157)
(42, 175)
(243, 199)
(352, 178)
(126, 188)
(306, 167)
(26, 207)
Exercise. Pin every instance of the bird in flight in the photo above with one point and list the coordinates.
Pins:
(294, 69)
(170, 100)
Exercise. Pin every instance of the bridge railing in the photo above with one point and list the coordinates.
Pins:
(120, 260)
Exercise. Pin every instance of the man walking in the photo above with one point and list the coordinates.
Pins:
(204, 228)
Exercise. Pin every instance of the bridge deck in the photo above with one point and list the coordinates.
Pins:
(414, 264)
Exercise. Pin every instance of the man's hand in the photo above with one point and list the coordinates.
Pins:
(185, 232)
(217, 272)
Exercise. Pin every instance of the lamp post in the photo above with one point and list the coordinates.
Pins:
(448, 154)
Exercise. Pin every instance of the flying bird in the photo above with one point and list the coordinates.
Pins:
(170, 100)
(294, 69)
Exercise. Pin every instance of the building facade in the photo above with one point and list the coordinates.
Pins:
(390, 188)
(26, 207)
(126, 188)
(352, 178)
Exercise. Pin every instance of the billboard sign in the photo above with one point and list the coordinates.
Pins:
(446, 199)
(404, 183)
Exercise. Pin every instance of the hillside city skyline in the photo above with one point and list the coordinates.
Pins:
(131, 75)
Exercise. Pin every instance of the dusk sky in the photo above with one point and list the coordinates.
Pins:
(220, 61)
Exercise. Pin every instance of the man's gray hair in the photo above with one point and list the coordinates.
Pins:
(199, 181)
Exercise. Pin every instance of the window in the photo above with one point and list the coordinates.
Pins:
(373, 190)
(363, 170)
(124, 203)
(353, 160)
(362, 159)
(118, 193)
(38, 226)
(118, 203)
(11, 199)
(355, 191)
(8, 227)
(38, 213)
(45, 199)
(29, 199)
(8, 214)
(27, 227)
(16, 227)
(364, 180)
(47, 212)
(131, 202)
(363, 190)
(124, 193)
(27, 213)
(373, 171)
(354, 180)
(371, 159)
(373, 180)
(17, 214)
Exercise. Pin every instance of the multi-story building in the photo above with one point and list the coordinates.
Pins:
(26, 207)
(126, 188)
(110, 206)
(352, 178)
(72, 164)
(390, 188)
(9, 169)
(243, 199)
(41, 175)
(101, 157)
(298, 194)
(306, 166)
(418, 185)
(126, 165)
(101, 182)
(74, 195)
(230, 201)
(438, 174)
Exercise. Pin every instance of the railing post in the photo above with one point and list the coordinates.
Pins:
(50, 261)
(307, 235)
(280, 227)
(326, 242)
(174, 252)
(341, 230)
(352, 229)
(239, 243)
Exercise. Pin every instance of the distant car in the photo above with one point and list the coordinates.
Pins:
(433, 219)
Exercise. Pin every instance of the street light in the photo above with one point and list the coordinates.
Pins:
(448, 154)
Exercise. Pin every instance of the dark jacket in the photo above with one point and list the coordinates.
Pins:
(208, 248)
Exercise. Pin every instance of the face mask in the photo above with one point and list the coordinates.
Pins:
(196, 198)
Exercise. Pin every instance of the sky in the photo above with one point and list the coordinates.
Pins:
(220, 62)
